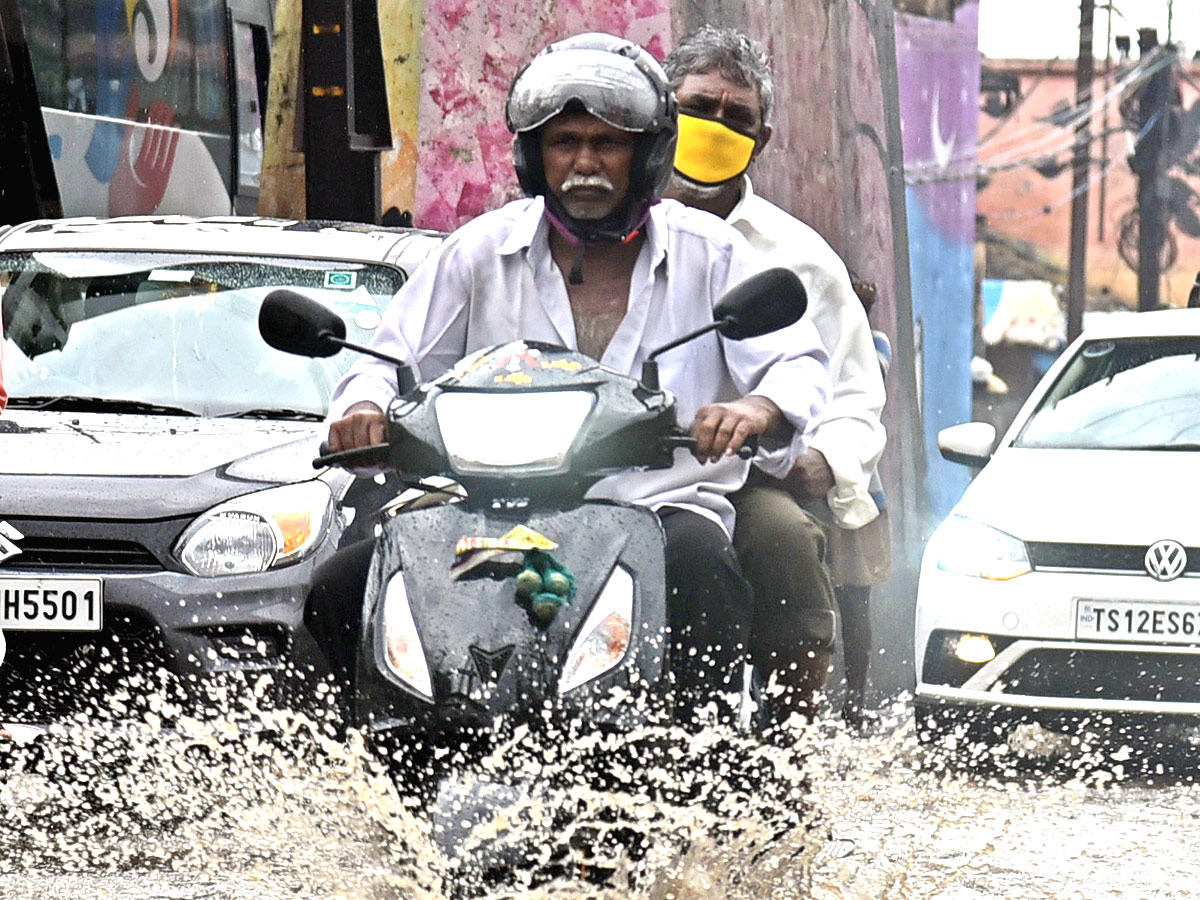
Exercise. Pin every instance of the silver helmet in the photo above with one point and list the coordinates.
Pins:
(619, 83)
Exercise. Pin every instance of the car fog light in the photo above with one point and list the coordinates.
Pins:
(974, 648)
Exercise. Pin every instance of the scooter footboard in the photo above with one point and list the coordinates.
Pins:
(488, 655)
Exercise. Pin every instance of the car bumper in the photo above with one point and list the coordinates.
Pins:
(1042, 661)
(158, 627)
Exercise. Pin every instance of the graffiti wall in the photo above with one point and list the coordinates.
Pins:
(939, 90)
(473, 49)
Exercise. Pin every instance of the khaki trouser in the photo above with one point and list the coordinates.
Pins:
(781, 548)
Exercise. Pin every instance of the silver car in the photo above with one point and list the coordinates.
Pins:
(160, 516)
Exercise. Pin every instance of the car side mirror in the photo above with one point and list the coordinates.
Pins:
(969, 444)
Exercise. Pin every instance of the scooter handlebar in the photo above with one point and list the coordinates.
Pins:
(370, 455)
(683, 439)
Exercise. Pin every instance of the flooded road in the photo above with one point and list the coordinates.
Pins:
(214, 811)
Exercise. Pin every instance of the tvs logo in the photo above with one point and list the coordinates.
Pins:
(490, 663)
(8, 534)
(1166, 560)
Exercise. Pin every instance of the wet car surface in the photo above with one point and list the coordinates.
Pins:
(160, 510)
(1062, 588)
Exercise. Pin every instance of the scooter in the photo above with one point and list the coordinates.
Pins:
(499, 596)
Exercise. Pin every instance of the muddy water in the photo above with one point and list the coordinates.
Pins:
(270, 806)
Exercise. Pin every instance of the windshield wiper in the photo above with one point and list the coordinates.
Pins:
(268, 412)
(79, 403)
(1180, 446)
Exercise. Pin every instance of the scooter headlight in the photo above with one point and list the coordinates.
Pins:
(401, 643)
(485, 430)
(604, 639)
(258, 531)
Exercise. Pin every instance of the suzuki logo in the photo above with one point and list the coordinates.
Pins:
(1166, 560)
(8, 534)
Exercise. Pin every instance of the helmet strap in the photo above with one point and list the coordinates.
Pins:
(597, 235)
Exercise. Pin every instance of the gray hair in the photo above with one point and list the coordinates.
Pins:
(733, 53)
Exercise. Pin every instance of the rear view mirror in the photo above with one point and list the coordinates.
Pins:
(765, 302)
(293, 323)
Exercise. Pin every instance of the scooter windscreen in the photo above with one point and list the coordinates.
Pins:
(483, 431)
(543, 416)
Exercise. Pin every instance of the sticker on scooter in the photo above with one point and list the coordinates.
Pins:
(470, 552)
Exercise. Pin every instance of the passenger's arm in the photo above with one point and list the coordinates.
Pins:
(849, 441)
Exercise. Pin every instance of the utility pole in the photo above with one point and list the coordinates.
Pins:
(1082, 163)
(1147, 164)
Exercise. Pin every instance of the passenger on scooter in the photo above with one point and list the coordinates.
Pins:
(591, 260)
(722, 82)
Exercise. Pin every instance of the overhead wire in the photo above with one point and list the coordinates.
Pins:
(1061, 136)
(1047, 208)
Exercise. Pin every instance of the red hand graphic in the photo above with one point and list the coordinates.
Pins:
(137, 189)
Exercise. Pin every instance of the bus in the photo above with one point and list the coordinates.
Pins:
(151, 106)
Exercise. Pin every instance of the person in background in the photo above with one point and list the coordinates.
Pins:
(724, 88)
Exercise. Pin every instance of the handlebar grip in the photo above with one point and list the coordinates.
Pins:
(370, 455)
(749, 448)
(683, 439)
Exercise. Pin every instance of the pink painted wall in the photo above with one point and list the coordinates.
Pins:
(473, 48)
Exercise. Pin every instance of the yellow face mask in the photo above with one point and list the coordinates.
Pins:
(710, 152)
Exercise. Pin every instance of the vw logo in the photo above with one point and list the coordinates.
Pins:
(1166, 560)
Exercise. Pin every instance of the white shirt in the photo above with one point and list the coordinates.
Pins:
(494, 280)
(850, 435)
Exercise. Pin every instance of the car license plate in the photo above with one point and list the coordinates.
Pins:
(51, 604)
(1123, 620)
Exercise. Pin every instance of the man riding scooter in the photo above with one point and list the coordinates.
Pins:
(592, 261)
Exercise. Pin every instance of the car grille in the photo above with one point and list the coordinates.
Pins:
(1105, 675)
(53, 554)
(1100, 557)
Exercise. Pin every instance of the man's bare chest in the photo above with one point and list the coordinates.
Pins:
(598, 306)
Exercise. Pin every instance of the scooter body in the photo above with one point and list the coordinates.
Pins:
(449, 650)
(491, 659)
(456, 649)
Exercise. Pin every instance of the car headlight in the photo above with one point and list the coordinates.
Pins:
(604, 638)
(485, 430)
(401, 642)
(259, 531)
(966, 547)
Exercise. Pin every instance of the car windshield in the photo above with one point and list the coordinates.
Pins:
(1127, 394)
(173, 332)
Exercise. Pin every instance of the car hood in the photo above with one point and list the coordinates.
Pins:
(143, 465)
(1088, 496)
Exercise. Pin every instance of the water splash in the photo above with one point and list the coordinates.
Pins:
(266, 802)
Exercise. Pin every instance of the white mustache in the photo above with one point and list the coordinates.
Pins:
(587, 181)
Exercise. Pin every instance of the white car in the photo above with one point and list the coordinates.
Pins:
(1064, 588)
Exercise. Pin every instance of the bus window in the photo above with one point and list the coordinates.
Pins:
(211, 65)
(136, 102)
(44, 27)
